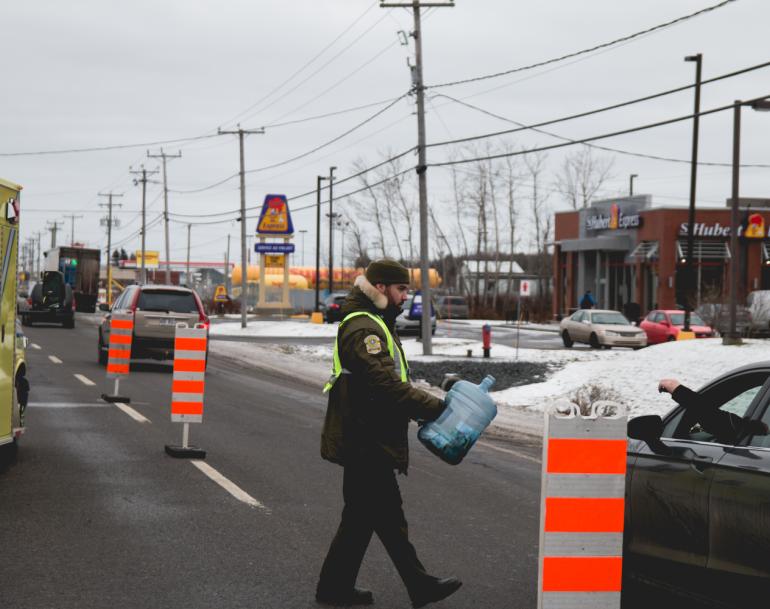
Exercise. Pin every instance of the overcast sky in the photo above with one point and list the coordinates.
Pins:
(97, 73)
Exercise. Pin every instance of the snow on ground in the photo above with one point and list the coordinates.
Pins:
(626, 376)
(631, 377)
(290, 328)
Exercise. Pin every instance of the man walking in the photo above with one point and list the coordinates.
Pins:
(365, 431)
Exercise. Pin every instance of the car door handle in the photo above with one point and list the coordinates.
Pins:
(699, 462)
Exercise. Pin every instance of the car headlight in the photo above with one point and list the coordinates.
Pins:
(610, 333)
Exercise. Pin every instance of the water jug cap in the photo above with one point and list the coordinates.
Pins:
(487, 383)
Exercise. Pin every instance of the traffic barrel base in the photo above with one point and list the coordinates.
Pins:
(185, 452)
(116, 398)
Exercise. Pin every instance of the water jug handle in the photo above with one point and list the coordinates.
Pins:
(487, 383)
(608, 409)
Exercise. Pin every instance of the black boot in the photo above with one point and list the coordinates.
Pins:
(356, 596)
(436, 592)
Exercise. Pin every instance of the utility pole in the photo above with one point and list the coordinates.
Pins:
(422, 165)
(244, 265)
(690, 272)
(72, 218)
(227, 266)
(318, 243)
(143, 180)
(189, 228)
(331, 229)
(109, 205)
(53, 227)
(302, 233)
(165, 156)
(631, 184)
(39, 236)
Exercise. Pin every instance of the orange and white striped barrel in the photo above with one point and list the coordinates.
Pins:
(189, 374)
(119, 351)
(582, 509)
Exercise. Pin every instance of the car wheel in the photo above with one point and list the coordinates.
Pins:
(567, 339)
(24, 320)
(670, 339)
(594, 341)
(608, 347)
(69, 323)
(103, 355)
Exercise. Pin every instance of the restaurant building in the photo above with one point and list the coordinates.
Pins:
(626, 251)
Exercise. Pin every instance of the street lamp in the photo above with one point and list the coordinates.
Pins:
(761, 105)
(689, 272)
(631, 184)
(331, 228)
(318, 244)
(302, 233)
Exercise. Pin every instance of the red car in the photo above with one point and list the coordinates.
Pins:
(662, 326)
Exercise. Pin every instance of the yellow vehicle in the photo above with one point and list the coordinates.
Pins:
(13, 384)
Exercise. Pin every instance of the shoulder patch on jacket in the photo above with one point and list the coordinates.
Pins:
(373, 344)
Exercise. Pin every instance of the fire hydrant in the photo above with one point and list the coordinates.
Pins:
(486, 333)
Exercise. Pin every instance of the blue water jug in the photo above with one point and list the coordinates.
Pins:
(468, 413)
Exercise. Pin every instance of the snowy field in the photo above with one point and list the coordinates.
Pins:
(626, 376)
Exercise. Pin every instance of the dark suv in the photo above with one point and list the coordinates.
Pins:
(156, 309)
(50, 301)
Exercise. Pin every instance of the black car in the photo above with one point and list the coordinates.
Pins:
(50, 301)
(332, 305)
(698, 492)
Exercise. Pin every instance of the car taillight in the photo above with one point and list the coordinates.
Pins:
(202, 319)
(29, 301)
(334, 306)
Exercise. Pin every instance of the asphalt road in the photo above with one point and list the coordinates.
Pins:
(95, 514)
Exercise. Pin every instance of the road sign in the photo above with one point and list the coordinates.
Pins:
(275, 218)
(220, 294)
(151, 259)
(274, 248)
(524, 287)
(274, 260)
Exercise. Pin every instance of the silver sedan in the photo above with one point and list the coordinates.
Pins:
(601, 328)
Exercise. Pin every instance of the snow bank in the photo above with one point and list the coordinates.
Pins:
(632, 376)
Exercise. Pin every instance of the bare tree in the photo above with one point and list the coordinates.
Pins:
(582, 175)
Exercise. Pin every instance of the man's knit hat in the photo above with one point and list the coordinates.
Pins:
(386, 271)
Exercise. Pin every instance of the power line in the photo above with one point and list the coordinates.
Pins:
(105, 148)
(307, 65)
(523, 127)
(304, 154)
(585, 51)
(582, 114)
(597, 137)
(328, 114)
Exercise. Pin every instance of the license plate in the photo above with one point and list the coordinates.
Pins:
(164, 321)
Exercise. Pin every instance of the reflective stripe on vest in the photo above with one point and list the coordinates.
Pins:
(402, 368)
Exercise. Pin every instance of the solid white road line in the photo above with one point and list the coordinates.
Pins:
(229, 486)
(510, 452)
(34, 345)
(85, 380)
(54, 359)
(132, 413)
(67, 405)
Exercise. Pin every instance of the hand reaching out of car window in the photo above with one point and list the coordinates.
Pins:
(668, 385)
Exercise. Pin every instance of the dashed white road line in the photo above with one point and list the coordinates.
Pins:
(228, 485)
(511, 452)
(85, 380)
(132, 413)
(35, 346)
(54, 359)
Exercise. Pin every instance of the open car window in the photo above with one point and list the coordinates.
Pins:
(719, 414)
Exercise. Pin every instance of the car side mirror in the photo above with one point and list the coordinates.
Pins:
(586, 321)
(103, 306)
(647, 428)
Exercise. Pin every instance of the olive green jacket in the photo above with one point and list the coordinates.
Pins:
(369, 408)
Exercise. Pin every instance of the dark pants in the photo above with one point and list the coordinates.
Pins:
(372, 505)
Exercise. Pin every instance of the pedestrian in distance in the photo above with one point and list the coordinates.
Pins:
(587, 302)
(365, 431)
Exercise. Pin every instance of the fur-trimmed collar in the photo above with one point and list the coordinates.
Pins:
(378, 298)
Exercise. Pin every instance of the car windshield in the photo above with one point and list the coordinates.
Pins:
(677, 319)
(169, 301)
(611, 319)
